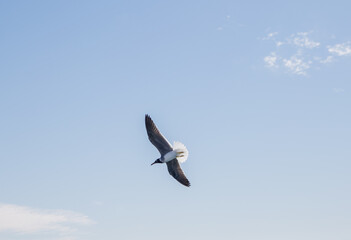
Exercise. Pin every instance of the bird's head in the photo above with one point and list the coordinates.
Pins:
(157, 161)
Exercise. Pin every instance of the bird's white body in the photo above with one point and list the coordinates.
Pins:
(169, 156)
(179, 151)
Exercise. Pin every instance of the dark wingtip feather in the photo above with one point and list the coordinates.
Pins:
(187, 183)
(148, 120)
(184, 182)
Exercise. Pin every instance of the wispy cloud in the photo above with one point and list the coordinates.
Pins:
(270, 36)
(297, 53)
(297, 65)
(279, 43)
(25, 220)
(328, 59)
(302, 39)
(271, 60)
(341, 49)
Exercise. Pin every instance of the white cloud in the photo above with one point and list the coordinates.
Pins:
(342, 49)
(270, 36)
(279, 43)
(271, 60)
(21, 219)
(328, 59)
(301, 39)
(299, 52)
(297, 65)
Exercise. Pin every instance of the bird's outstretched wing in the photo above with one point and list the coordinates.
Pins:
(155, 137)
(175, 170)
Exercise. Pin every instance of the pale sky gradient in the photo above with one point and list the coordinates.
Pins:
(258, 91)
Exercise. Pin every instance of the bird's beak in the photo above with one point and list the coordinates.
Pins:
(152, 163)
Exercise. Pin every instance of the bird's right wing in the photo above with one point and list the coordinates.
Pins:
(155, 137)
(175, 170)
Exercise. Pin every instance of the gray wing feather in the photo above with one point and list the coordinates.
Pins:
(175, 170)
(155, 137)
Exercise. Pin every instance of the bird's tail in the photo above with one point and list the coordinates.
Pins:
(182, 152)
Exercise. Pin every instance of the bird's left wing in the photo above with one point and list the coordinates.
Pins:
(155, 137)
(175, 170)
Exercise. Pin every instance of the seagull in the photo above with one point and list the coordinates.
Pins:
(171, 155)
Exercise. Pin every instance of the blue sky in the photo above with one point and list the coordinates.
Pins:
(259, 92)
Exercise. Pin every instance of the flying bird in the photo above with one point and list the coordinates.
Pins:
(171, 155)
